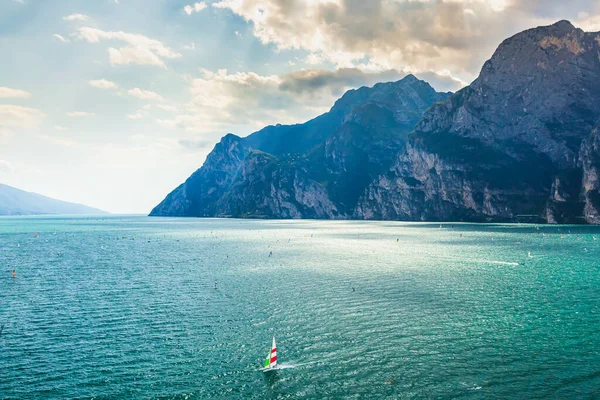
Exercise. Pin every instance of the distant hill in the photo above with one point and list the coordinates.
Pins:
(18, 202)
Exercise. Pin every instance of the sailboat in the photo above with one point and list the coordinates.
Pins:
(271, 361)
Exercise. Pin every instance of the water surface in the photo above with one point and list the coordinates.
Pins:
(135, 307)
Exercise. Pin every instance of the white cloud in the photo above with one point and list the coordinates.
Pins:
(17, 117)
(60, 37)
(144, 94)
(167, 107)
(60, 128)
(313, 59)
(243, 102)
(458, 35)
(196, 7)
(139, 49)
(80, 114)
(76, 17)
(13, 93)
(132, 55)
(137, 115)
(103, 84)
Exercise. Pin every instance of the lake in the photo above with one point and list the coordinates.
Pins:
(138, 307)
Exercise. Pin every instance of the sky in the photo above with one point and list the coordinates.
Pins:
(114, 103)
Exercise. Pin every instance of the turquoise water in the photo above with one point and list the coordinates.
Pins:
(136, 307)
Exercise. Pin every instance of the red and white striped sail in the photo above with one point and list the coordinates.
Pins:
(271, 360)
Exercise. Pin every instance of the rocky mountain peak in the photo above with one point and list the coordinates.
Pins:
(555, 48)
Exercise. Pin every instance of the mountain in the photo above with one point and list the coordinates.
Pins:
(18, 202)
(313, 170)
(521, 143)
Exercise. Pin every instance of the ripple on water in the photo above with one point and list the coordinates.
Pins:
(180, 309)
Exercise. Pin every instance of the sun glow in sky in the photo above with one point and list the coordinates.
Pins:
(114, 103)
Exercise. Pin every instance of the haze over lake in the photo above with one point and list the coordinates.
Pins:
(136, 307)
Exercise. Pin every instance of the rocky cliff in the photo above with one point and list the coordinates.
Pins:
(314, 170)
(521, 143)
(517, 144)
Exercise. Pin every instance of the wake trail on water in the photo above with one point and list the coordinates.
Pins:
(481, 261)
(291, 365)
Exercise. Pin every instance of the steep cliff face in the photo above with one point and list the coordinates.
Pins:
(268, 186)
(507, 147)
(312, 170)
(590, 162)
(198, 196)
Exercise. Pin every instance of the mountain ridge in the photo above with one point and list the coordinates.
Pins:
(522, 139)
(316, 142)
(15, 201)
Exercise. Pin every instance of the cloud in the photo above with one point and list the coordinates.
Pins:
(60, 128)
(425, 35)
(103, 84)
(18, 117)
(76, 17)
(167, 107)
(59, 37)
(220, 101)
(340, 80)
(196, 7)
(78, 114)
(242, 102)
(137, 115)
(139, 49)
(13, 93)
(131, 55)
(337, 81)
(144, 94)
